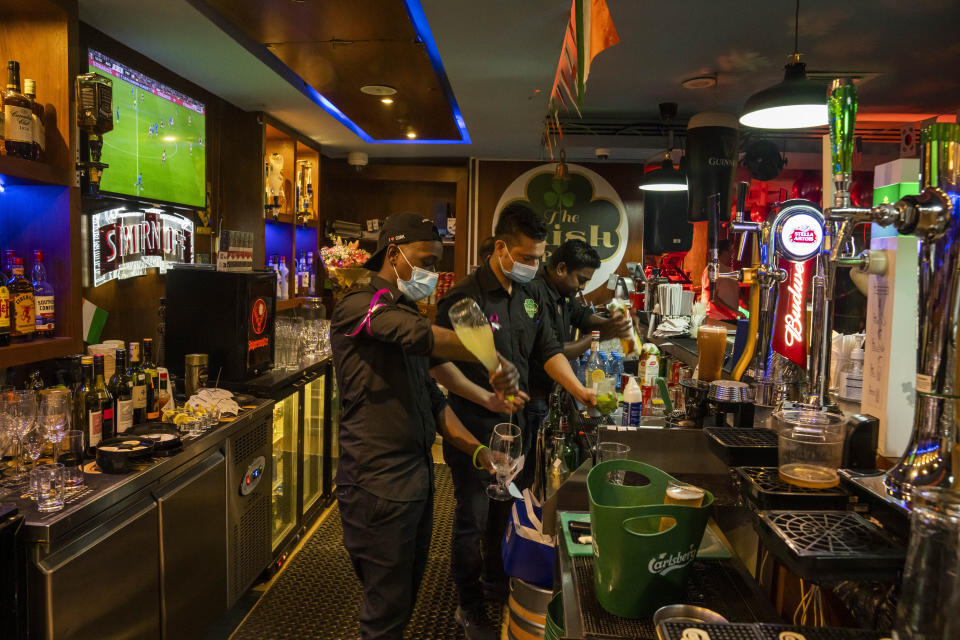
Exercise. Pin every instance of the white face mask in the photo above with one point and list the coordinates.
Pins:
(522, 273)
(421, 283)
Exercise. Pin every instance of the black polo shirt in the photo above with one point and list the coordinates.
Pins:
(522, 332)
(389, 401)
(566, 314)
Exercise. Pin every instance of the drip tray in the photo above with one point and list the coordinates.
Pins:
(679, 631)
(764, 488)
(743, 447)
(824, 546)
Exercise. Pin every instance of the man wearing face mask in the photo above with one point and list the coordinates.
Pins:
(521, 332)
(561, 277)
(391, 411)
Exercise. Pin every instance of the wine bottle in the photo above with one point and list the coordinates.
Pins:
(153, 381)
(138, 380)
(91, 413)
(121, 388)
(108, 427)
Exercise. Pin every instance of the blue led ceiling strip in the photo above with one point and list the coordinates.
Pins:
(418, 18)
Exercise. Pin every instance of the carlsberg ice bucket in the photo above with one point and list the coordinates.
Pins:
(636, 567)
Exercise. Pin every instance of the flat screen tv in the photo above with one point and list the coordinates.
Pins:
(157, 149)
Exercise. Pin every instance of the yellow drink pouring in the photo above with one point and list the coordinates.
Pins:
(479, 341)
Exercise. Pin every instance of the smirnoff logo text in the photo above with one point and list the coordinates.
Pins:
(125, 243)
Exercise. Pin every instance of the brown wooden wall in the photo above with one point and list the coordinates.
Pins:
(234, 176)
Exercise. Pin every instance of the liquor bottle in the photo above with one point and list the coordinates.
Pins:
(121, 388)
(37, 127)
(23, 319)
(595, 373)
(138, 380)
(284, 279)
(107, 424)
(5, 278)
(311, 274)
(43, 297)
(163, 395)
(153, 381)
(91, 410)
(17, 116)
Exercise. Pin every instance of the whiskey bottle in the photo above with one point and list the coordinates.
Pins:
(138, 380)
(38, 129)
(23, 322)
(5, 278)
(17, 116)
(153, 381)
(121, 388)
(43, 297)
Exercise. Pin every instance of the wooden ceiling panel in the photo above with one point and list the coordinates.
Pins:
(339, 46)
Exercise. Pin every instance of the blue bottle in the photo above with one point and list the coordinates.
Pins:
(616, 369)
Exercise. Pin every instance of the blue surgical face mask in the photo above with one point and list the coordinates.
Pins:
(421, 283)
(522, 273)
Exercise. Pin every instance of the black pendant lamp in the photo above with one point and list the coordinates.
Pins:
(666, 178)
(795, 103)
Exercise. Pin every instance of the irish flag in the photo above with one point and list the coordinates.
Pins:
(589, 31)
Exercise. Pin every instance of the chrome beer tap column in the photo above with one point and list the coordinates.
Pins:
(933, 217)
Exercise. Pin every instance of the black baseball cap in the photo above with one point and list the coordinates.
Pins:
(401, 228)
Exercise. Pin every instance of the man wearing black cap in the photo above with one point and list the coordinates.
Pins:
(391, 412)
(522, 332)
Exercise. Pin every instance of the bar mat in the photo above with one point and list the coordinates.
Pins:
(765, 489)
(710, 585)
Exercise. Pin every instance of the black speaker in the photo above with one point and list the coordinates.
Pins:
(712, 152)
(665, 225)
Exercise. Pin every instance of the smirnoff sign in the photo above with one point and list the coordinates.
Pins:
(789, 336)
(124, 244)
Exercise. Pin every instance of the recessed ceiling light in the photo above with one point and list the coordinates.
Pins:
(386, 100)
(411, 134)
(378, 90)
(700, 82)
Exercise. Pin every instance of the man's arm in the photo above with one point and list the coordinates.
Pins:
(558, 368)
(453, 431)
(453, 379)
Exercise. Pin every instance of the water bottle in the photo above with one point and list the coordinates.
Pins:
(616, 370)
(632, 404)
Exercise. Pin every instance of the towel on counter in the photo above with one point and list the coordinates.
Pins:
(673, 326)
(218, 398)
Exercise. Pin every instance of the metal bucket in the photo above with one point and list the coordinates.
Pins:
(528, 610)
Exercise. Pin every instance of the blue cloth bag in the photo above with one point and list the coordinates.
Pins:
(528, 553)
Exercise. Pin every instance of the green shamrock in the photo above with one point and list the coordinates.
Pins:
(559, 195)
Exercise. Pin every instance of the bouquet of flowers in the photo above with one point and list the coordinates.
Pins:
(344, 263)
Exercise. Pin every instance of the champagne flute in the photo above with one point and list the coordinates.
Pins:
(54, 412)
(506, 446)
(474, 331)
(20, 408)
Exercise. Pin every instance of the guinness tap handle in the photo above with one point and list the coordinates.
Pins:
(742, 188)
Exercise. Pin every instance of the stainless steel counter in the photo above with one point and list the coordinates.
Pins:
(102, 491)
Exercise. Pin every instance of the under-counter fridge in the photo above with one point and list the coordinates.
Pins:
(303, 459)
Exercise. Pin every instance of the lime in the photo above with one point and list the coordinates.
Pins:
(606, 403)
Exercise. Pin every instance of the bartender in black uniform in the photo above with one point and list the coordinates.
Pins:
(522, 331)
(391, 412)
(566, 272)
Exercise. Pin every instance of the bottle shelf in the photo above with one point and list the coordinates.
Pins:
(29, 172)
(40, 349)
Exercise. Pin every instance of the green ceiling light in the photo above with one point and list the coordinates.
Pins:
(666, 178)
(795, 103)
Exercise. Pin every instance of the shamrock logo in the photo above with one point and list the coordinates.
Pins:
(558, 195)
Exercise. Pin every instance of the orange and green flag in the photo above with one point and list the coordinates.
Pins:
(589, 31)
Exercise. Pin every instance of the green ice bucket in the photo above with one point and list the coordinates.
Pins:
(637, 568)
